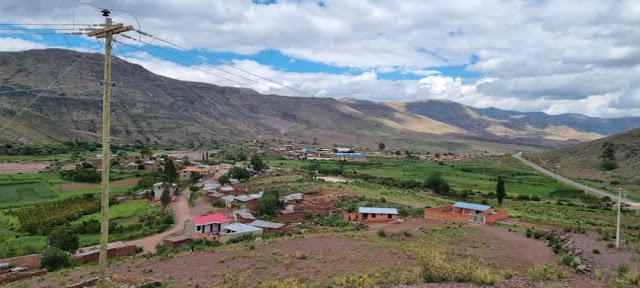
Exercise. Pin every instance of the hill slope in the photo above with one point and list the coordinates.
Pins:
(586, 156)
(150, 107)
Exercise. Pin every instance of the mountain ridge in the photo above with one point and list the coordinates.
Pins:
(154, 108)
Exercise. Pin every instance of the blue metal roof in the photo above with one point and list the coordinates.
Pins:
(350, 155)
(471, 206)
(373, 210)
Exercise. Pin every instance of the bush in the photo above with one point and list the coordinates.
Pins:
(529, 233)
(162, 249)
(219, 203)
(546, 272)
(608, 165)
(438, 266)
(54, 259)
(522, 197)
(567, 260)
(595, 251)
(382, 233)
(537, 234)
(64, 240)
(623, 269)
(535, 198)
(611, 245)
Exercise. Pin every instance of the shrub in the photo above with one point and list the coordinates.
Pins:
(522, 197)
(381, 233)
(595, 251)
(537, 234)
(535, 198)
(54, 259)
(611, 245)
(437, 266)
(219, 203)
(64, 240)
(567, 260)
(632, 278)
(623, 269)
(546, 272)
(529, 233)
(162, 249)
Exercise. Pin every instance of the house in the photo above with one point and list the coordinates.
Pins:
(132, 165)
(226, 190)
(244, 216)
(294, 198)
(467, 212)
(114, 249)
(228, 200)
(209, 224)
(373, 215)
(149, 164)
(236, 230)
(158, 189)
(246, 202)
(267, 226)
(176, 241)
(211, 186)
(236, 184)
(185, 174)
(343, 150)
(349, 157)
(224, 166)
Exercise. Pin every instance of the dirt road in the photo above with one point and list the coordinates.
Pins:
(180, 210)
(587, 189)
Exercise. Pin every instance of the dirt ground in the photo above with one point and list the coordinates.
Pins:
(609, 258)
(23, 167)
(587, 174)
(75, 185)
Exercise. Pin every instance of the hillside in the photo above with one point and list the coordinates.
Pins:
(150, 107)
(586, 155)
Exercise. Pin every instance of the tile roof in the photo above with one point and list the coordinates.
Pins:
(211, 218)
(373, 210)
(471, 206)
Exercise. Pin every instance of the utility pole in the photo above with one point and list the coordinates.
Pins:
(618, 226)
(107, 32)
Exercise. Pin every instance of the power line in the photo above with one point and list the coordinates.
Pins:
(223, 63)
(36, 98)
(202, 70)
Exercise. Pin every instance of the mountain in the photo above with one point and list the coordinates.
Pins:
(153, 108)
(587, 156)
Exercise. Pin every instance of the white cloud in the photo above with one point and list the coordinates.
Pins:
(17, 44)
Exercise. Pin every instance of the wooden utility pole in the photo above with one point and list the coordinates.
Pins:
(107, 32)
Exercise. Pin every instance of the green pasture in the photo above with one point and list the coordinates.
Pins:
(120, 211)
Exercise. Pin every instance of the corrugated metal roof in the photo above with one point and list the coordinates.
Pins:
(350, 155)
(374, 210)
(245, 214)
(266, 224)
(240, 228)
(229, 198)
(96, 248)
(226, 188)
(471, 206)
(244, 198)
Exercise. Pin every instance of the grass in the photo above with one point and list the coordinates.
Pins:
(119, 211)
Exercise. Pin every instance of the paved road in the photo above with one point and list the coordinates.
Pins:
(180, 212)
(573, 183)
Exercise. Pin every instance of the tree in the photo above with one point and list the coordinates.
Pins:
(256, 162)
(54, 259)
(195, 177)
(609, 153)
(241, 156)
(145, 151)
(239, 173)
(500, 191)
(224, 179)
(315, 141)
(64, 240)
(269, 202)
(381, 146)
(165, 199)
(398, 152)
(437, 184)
(170, 172)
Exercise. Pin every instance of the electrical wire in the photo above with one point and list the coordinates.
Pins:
(223, 63)
(202, 70)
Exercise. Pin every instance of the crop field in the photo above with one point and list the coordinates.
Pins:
(120, 211)
(476, 175)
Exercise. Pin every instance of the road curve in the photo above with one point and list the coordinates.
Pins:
(180, 213)
(573, 183)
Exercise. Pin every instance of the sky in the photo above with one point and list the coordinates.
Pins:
(535, 55)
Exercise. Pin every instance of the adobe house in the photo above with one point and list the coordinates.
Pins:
(209, 224)
(236, 230)
(236, 184)
(376, 215)
(268, 226)
(246, 202)
(158, 189)
(467, 212)
(185, 174)
(114, 249)
(244, 216)
(176, 241)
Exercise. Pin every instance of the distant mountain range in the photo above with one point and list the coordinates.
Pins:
(149, 107)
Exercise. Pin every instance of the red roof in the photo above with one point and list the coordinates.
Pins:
(212, 218)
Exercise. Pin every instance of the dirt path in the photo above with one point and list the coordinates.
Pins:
(180, 210)
(587, 189)
(23, 167)
(514, 250)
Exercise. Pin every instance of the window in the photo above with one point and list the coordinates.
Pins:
(373, 215)
(389, 216)
(198, 228)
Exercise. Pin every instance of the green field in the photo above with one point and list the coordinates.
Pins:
(476, 175)
(120, 211)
